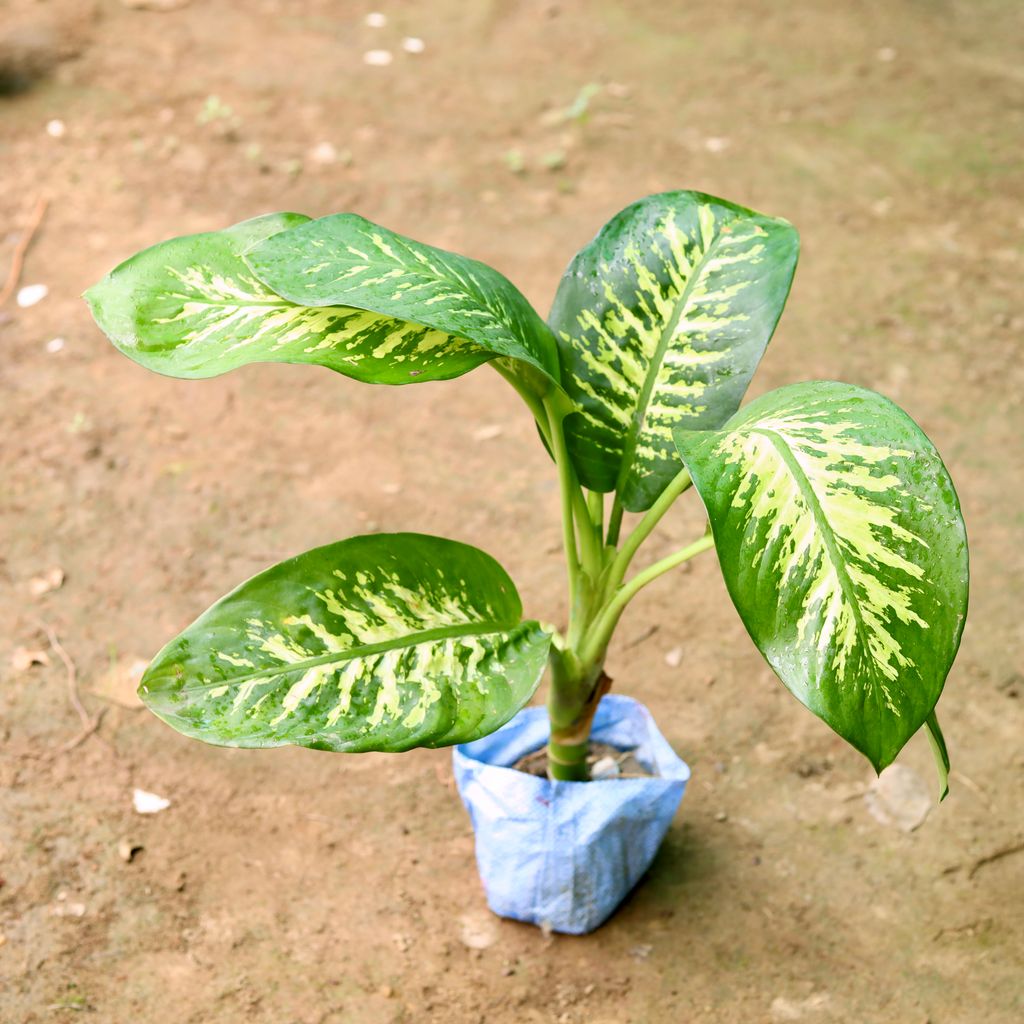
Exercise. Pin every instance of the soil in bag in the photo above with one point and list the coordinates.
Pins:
(603, 761)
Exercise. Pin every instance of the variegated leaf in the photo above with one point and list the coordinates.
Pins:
(661, 321)
(382, 642)
(192, 307)
(842, 544)
(346, 259)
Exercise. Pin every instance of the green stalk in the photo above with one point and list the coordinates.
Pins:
(614, 522)
(600, 634)
(576, 687)
(566, 483)
(680, 483)
(576, 684)
(533, 402)
(548, 414)
(595, 505)
(576, 690)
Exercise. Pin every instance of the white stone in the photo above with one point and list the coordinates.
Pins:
(604, 768)
(31, 294)
(149, 803)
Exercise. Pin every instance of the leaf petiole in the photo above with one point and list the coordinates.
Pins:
(600, 634)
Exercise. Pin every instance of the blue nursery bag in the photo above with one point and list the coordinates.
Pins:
(563, 855)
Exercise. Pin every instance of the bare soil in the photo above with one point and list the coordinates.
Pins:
(626, 765)
(294, 886)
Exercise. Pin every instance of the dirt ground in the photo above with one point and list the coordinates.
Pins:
(294, 886)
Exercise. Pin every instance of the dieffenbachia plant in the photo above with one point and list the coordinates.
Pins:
(837, 527)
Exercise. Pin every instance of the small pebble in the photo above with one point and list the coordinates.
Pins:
(674, 658)
(886, 54)
(413, 44)
(56, 128)
(54, 345)
(31, 294)
(149, 803)
(323, 153)
(604, 768)
(376, 20)
(721, 816)
(127, 850)
(488, 432)
(378, 58)
(477, 930)
(23, 658)
(716, 144)
(66, 908)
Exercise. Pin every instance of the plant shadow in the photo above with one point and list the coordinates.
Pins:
(686, 871)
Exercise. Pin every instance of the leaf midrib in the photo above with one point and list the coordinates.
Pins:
(486, 628)
(818, 514)
(654, 367)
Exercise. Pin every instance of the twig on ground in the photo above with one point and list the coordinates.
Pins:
(18, 259)
(90, 723)
(1003, 851)
(637, 641)
(958, 776)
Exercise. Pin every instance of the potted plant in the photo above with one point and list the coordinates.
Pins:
(836, 525)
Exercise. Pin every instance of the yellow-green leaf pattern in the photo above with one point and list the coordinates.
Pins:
(842, 545)
(661, 322)
(346, 259)
(192, 307)
(382, 642)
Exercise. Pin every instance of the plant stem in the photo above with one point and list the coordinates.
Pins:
(600, 634)
(566, 481)
(575, 694)
(533, 402)
(549, 421)
(652, 517)
(614, 523)
(595, 505)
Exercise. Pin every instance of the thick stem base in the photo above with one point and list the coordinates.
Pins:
(569, 744)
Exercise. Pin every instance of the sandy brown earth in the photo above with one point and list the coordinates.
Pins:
(293, 886)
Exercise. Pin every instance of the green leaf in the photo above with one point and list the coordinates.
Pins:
(192, 307)
(382, 642)
(347, 260)
(842, 545)
(938, 745)
(661, 321)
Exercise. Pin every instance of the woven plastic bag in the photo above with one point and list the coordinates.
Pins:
(563, 855)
